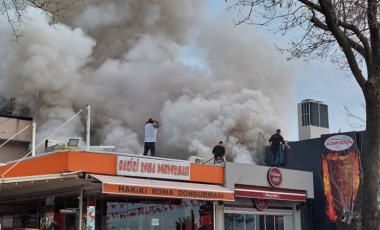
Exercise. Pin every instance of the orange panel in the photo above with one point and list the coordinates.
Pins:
(46, 164)
(69, 161)
(92, 163)
(206, 173)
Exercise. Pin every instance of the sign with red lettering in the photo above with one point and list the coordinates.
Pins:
(341, 173)
(261, 204)
(339, 142)
(274, 177)
(152, 168)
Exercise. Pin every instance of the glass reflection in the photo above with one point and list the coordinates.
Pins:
(239, 221)
(249, 221)
(229, 221)
(185, 215)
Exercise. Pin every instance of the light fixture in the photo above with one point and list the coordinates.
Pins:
(73, 143)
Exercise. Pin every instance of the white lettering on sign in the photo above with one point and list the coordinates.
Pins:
(145, 167)
(269, 195)
(339, 142)
(276, 174)
(274, 177)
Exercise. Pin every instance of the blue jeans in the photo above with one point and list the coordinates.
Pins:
(276, 157)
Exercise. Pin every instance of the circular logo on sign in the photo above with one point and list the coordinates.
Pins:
(261, 204)
(339, 142)
(274, 177)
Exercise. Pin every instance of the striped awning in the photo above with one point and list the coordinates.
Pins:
(160, 188)
(269, 193)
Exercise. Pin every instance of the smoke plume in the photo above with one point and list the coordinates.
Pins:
(204, 78)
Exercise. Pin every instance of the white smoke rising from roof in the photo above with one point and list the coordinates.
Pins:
(126, 60)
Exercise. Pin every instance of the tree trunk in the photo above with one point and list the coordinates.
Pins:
(370, 157)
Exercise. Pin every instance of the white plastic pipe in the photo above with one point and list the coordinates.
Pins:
(88, 129)
(34, 138)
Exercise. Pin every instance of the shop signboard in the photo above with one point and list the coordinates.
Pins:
(152, 168)
(132, 190)
(261, 204)
(274, 177)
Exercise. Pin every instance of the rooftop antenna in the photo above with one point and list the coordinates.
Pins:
(43, 141)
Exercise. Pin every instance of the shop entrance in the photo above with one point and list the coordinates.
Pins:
(59, 211)
(258, 221)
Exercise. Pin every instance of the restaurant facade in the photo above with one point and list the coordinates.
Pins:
(267, 197)
(99, 190)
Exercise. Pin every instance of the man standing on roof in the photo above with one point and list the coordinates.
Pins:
(275, 140)
(150, 131)
(219, 151)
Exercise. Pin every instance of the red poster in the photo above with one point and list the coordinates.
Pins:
(341, 174)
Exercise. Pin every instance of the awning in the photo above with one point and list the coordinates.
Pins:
(269, 193)
(158, 188)
(23, 186)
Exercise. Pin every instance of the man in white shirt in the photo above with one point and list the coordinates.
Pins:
(150, 127)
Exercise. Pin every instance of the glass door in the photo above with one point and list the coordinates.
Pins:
(256, 221)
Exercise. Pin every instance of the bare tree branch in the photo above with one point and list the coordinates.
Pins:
(15, 10)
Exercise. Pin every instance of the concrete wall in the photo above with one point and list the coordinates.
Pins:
(248, 174)
(13, 151)
(18, 146)
(12, 126)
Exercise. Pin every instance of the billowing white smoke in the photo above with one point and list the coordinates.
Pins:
(40, 69)
(203, 78)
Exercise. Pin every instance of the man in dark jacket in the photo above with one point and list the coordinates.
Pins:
(275, 140)
(219, 151)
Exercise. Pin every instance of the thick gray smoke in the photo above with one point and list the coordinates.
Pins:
(204, 78)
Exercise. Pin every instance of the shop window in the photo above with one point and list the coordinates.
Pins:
(250, 221)
(173, 216)
(279, 222)
(261, 223)
(184, 215)
(116, 215)
(41, 211)
(240, 221)
(229, 221)
(205, 214)
(269, 223)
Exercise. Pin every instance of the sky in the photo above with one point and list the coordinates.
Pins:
(184, 63)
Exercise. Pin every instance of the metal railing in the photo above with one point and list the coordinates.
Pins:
(262, 144)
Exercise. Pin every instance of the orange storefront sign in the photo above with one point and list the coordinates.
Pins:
(100, 163)
(167, 192)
